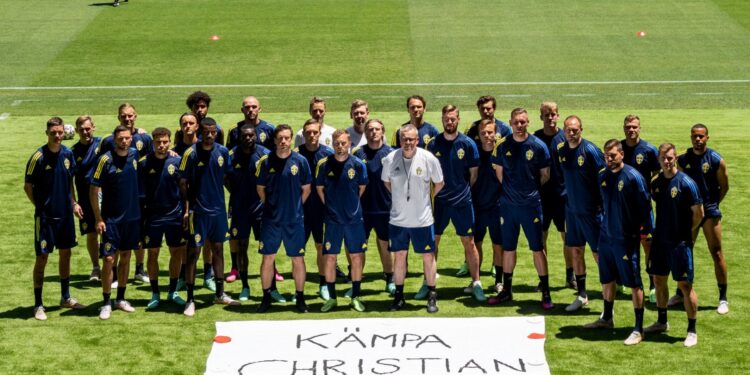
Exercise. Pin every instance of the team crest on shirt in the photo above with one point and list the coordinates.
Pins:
(43, 244)
(460, 153)
(328, 245)
(624, 257)
(263, 137)
(580, 160)
(197, 238)
(294, 169)
(560, 145)
(350, 173)
(620, 185)
(328, 141)
(419, 171)
(673, 192)
(529, 154)
(220, 160)
(639, 159)
(139, 145)
(507, 153)
(426, 138)
(66, 163)
(170, 169)
(705, 167)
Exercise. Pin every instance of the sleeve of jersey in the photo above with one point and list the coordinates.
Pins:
(385, 173)
(543, 160)
(186, 164)
(695, 195)
(598, 157)
(227, 164)
(320, 173)
(436, 173)
(642, 198)
(363, 177)
(396, 141)
(305, 175)
(497, 157)
(99, 172)
(653, 159)
(473, 155)
(261, 171)
(31, 167)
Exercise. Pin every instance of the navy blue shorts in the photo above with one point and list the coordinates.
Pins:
(314, 225)
(292, 235)
(211, 228)
(87, 224)
(513, 218)
(619, 261)
(351, 234)
(677, 259)
(462, 217)
(711, 211)
(553, 210)
(488, 220)
(242, 224)
(582, 228)
(53, 233)
(378, 222)
(423, 239)
(153, 234)
(122, 236)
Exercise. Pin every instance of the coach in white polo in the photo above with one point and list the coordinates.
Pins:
(407, 173)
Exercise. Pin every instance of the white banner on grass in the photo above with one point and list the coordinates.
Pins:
(378, 346)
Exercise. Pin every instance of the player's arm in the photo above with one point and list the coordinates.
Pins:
(362, 190)
(305, 192)
(473, 175)
(261, 192)
(436, 187)
(697, 210)
(320, 190)
(94, 200)
(185, 201)
(543, 175)
(28, 187)
(723, 177)
(77, 210)
(498, 172)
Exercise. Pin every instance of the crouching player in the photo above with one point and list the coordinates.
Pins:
(340, 180)
(627, 207)
(162, 213)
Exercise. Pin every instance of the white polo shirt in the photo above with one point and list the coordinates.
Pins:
(410, 187)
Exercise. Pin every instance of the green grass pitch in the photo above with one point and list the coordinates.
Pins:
(73, 57)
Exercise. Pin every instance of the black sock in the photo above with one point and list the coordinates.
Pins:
(243, 278)
(266, 296)
(207, 271)
(661, 315)
(581, 281)
(544, 284)
(234, 260)
(431, 288)
(679, 292)
(172, 284)
(388, 277)
(300, 294)
(120, 293)
(638, 320)
(322, 280)
(154, 285)
(105, 298)
(190, 288)
(651, 285)
(356, 285)
(508, 282)
(722, 292)
(691, 325)
(569, 274)
(139, 268)
(219, 287)
(331, 289)
(349, 272)
(273, 282)
(608, 307)
(38, 296)
(498, 274)
(399, 292)
(65, 288)
(182, 272)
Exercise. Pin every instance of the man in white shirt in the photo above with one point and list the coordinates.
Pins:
(317, 113)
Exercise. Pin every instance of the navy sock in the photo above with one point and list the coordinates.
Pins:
(154, 285)
(356, 285)
(38, 296)
(331, 289)
(430, 288)
(233, 256)
(691, 325)
(243, 278)
(388, 277)
(120, 293)
(65, 288)
(638, 320)
(581, 281)
(182, 272)
(651, 285)
(273, 282)
(207, 271)
(608, 307)
(568, 273)
(399, 292)
(139, 268)
(661, 315)
(508, 282)
(172, 284)
(300, 294)
(105, 298)
(322, 280)
(722, 292)
(544, 283)
(498, 274)
(190, 288)
(219, 287)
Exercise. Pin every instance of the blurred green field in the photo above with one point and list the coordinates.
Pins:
(74, 57)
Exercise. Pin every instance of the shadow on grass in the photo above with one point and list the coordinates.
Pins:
(616, 334)
(109, 4)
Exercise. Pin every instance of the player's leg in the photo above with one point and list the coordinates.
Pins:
(40, 263)
(176, 257)
(691, 308)
(140, 272)
(234, 272)
(294, 244)
(92, 246)
(242, 267)
(299, 274)
(123, 269)
(712, 231)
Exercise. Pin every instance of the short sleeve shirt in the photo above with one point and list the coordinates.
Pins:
(51, 175)
(410, 187)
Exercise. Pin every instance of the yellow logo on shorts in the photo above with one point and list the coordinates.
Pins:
(328, 245)
(705, 167)
(43, 244)
(604, 183)
(294, 169)
(66, 163)
(460, 153)
(234, 231)
(146, 239)
(302, 250)
(170, 169)
(502, 220)
(260, 245)
(108, 246)
(529, 155)
(419, 171)
(139, 145)
(364, 246)
(620, 185)
(639, 159)
(350, 173)
(197, 238)
(580, 160)
(220, 160)
(674, 192)
(427, 247)
(84, 226)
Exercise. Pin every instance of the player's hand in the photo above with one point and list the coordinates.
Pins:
(172, 153)
(77, 210)
(101, 227)
(141, 131)
(186, 221)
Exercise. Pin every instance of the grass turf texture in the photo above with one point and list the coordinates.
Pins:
(283, 52)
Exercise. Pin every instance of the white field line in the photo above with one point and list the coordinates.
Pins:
(375, 84)
(708, 93)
